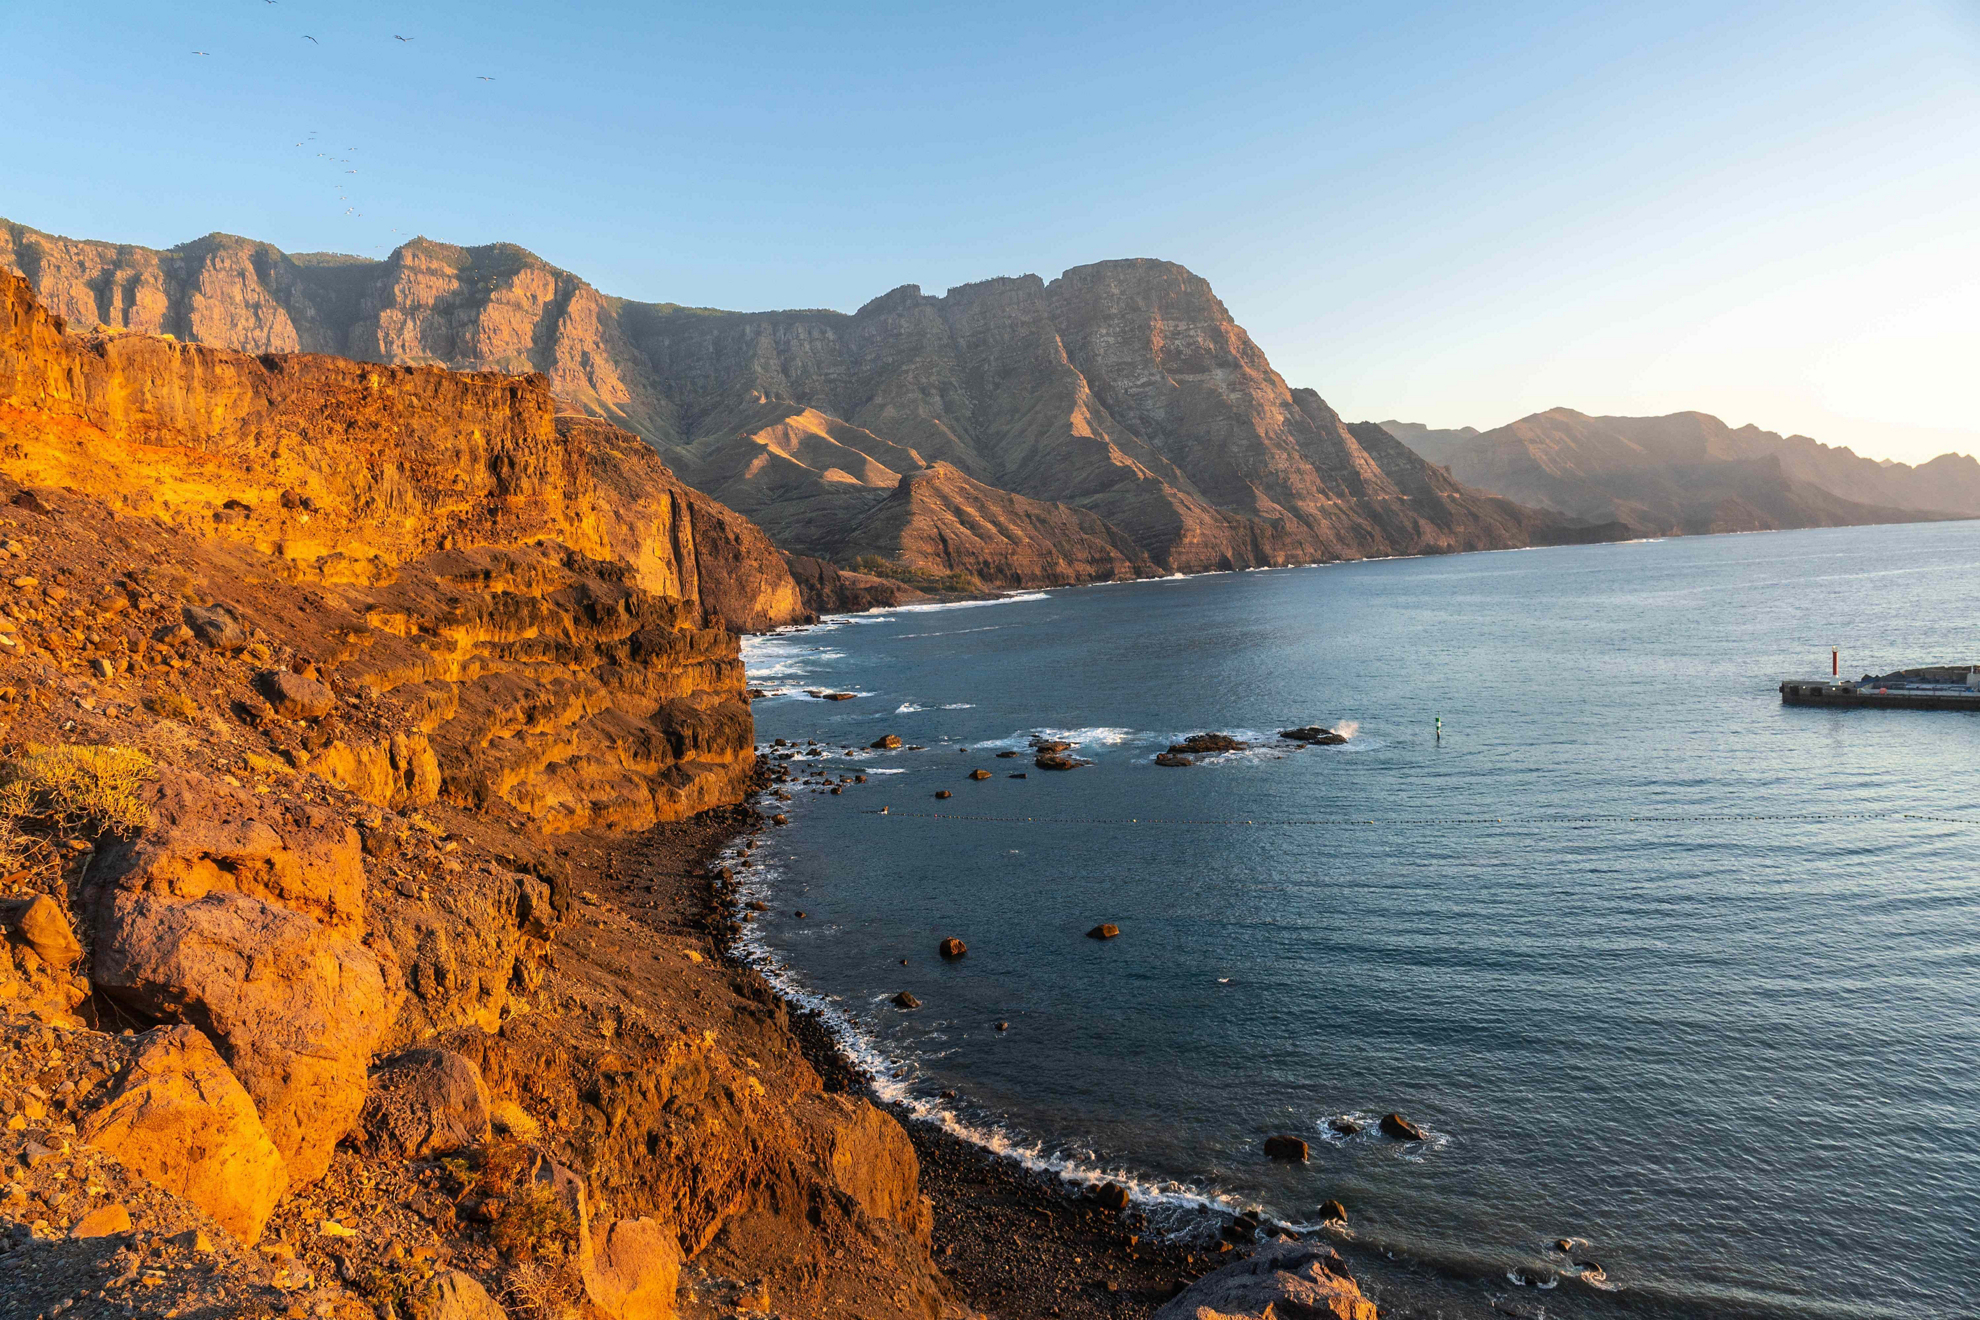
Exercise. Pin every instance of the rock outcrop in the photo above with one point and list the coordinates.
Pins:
(1286, 1279)
(1103, 424)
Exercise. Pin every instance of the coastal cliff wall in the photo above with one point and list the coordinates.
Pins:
(365, 737)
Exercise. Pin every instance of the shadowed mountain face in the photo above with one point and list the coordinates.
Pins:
(1690, 472)
(1117, 411)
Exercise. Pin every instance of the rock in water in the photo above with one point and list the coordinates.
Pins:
(1106, 930)
(1285, 1148)
(1111, 1195)
(1347, 1127)
(979, 774)
(425, 1102)
(943, 793)
(1395, 1125)
(1172, 759)
(1283, 1280)
(885, 743)
(906, 1000)
(953, 948)
(1333, 1212)
(1206, 744)
(1056, 761)
(1313, 733)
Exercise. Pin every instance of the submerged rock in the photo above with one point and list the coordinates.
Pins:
(1172, 759)
(1055, 761)
(1347, 1127)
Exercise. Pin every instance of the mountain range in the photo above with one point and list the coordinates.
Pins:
(1689, 472)
(1113, 422)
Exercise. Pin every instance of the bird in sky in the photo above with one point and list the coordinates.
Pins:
(307, 37)
(200, 52)
(397, 37)
(483, 77)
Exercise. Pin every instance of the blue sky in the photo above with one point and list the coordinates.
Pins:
(1442, 213)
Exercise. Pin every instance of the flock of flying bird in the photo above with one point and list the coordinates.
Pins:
(350, 208)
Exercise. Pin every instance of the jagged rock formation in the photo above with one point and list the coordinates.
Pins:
(1690, 472)
(1122, 390)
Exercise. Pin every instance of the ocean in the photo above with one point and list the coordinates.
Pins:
(1663, 968)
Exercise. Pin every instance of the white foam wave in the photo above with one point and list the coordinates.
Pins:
(908, 708)
(960, 705)
(1014, 599)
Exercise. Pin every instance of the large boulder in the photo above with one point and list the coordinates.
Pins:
(294, 697)
(867, 1156)
(452, 1295)
(177, 1115)
(295, 1007)
(248, 922)
(632, 1270)
(425, 1102)
(1282, 1280)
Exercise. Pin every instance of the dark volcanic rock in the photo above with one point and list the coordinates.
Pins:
(1347, 1127)
(1057, 761)
(1395, 1125)
(1285, 1148)
(906, 1000)
(1172, 759)
(1313, 733)
(979, 774)
(885, 743)
(1206, 744)
(1106, 930)
(1111, 1195)
(1333, 1212)
(953, 948)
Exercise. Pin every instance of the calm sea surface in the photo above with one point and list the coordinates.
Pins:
(1661, 964)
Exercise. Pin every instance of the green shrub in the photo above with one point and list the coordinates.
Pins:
(894, 571)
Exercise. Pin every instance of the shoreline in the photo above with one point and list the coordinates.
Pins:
(1080, 1259)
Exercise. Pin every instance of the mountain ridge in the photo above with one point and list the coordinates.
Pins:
(1121, 391)
(1671, 474)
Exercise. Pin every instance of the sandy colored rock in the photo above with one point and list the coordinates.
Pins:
(633, 1270)
(295, 1007)
(453, 1295)
(176, 1114)
(42, 924)
(423, 1102)
(1282, 1280)
(292, 696)
(867, 1156)
(104, 1221)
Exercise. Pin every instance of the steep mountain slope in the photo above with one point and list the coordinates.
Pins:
(1122, 390)
(1690, 472)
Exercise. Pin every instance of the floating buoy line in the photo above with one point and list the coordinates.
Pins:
(1365, 821)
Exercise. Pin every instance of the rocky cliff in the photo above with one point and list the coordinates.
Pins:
(1690, 472)
(331, 696)
(1123, 391)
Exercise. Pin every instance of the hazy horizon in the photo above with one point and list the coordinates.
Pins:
(1430, 214)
